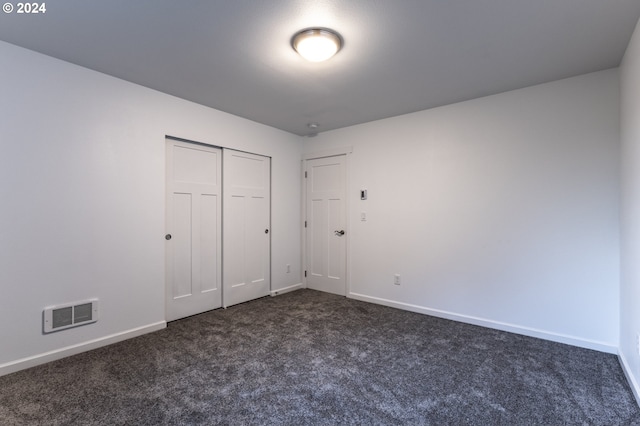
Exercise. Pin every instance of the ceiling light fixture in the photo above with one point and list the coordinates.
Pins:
(316, 44)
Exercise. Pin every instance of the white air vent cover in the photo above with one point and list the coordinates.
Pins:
(70, 315)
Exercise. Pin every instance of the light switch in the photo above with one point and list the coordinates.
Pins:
(363, 217)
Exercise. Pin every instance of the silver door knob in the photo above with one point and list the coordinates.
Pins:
(339, 233)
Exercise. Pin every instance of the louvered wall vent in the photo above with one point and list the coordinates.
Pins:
(71, 315)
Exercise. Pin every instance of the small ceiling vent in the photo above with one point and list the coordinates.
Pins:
(70, 315)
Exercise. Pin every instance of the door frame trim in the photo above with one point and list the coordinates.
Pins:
(332, 152)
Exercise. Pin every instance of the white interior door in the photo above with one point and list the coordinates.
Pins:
(247, 221)
(326, 224)
(193, 239)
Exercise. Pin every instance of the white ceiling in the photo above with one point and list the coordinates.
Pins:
(399, 56)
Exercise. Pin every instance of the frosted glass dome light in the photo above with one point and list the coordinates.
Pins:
(317, 44)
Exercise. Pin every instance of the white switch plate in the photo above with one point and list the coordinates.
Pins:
(363, 217)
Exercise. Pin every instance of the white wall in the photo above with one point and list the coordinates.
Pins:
(630, 227)
(82, 190)
(500, 211)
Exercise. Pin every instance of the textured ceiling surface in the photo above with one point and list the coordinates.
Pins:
(399, 56)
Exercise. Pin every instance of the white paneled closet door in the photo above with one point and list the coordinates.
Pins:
(247, 226)
(193, 220)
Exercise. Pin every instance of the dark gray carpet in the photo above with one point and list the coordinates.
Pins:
(312, 358)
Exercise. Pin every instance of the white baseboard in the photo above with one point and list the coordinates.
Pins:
(626, 368)
(286, 289)
(526, 331)
(32, 361)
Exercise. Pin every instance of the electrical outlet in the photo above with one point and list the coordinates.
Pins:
(396, 279)
(288, 269)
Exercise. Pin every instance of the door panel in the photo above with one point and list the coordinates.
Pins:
(195, 164)
(181, 243)
(193, 214)
(326, 216)
(257, 260)
(317, 229)
(336, 252)
(247, 238)
(209, 235)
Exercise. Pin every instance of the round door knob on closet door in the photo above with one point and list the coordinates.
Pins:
(266, 231)
(339, 233)
(167, 237)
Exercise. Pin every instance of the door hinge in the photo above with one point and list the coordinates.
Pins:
(305, 223)
(305, 274)
(305, 174)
